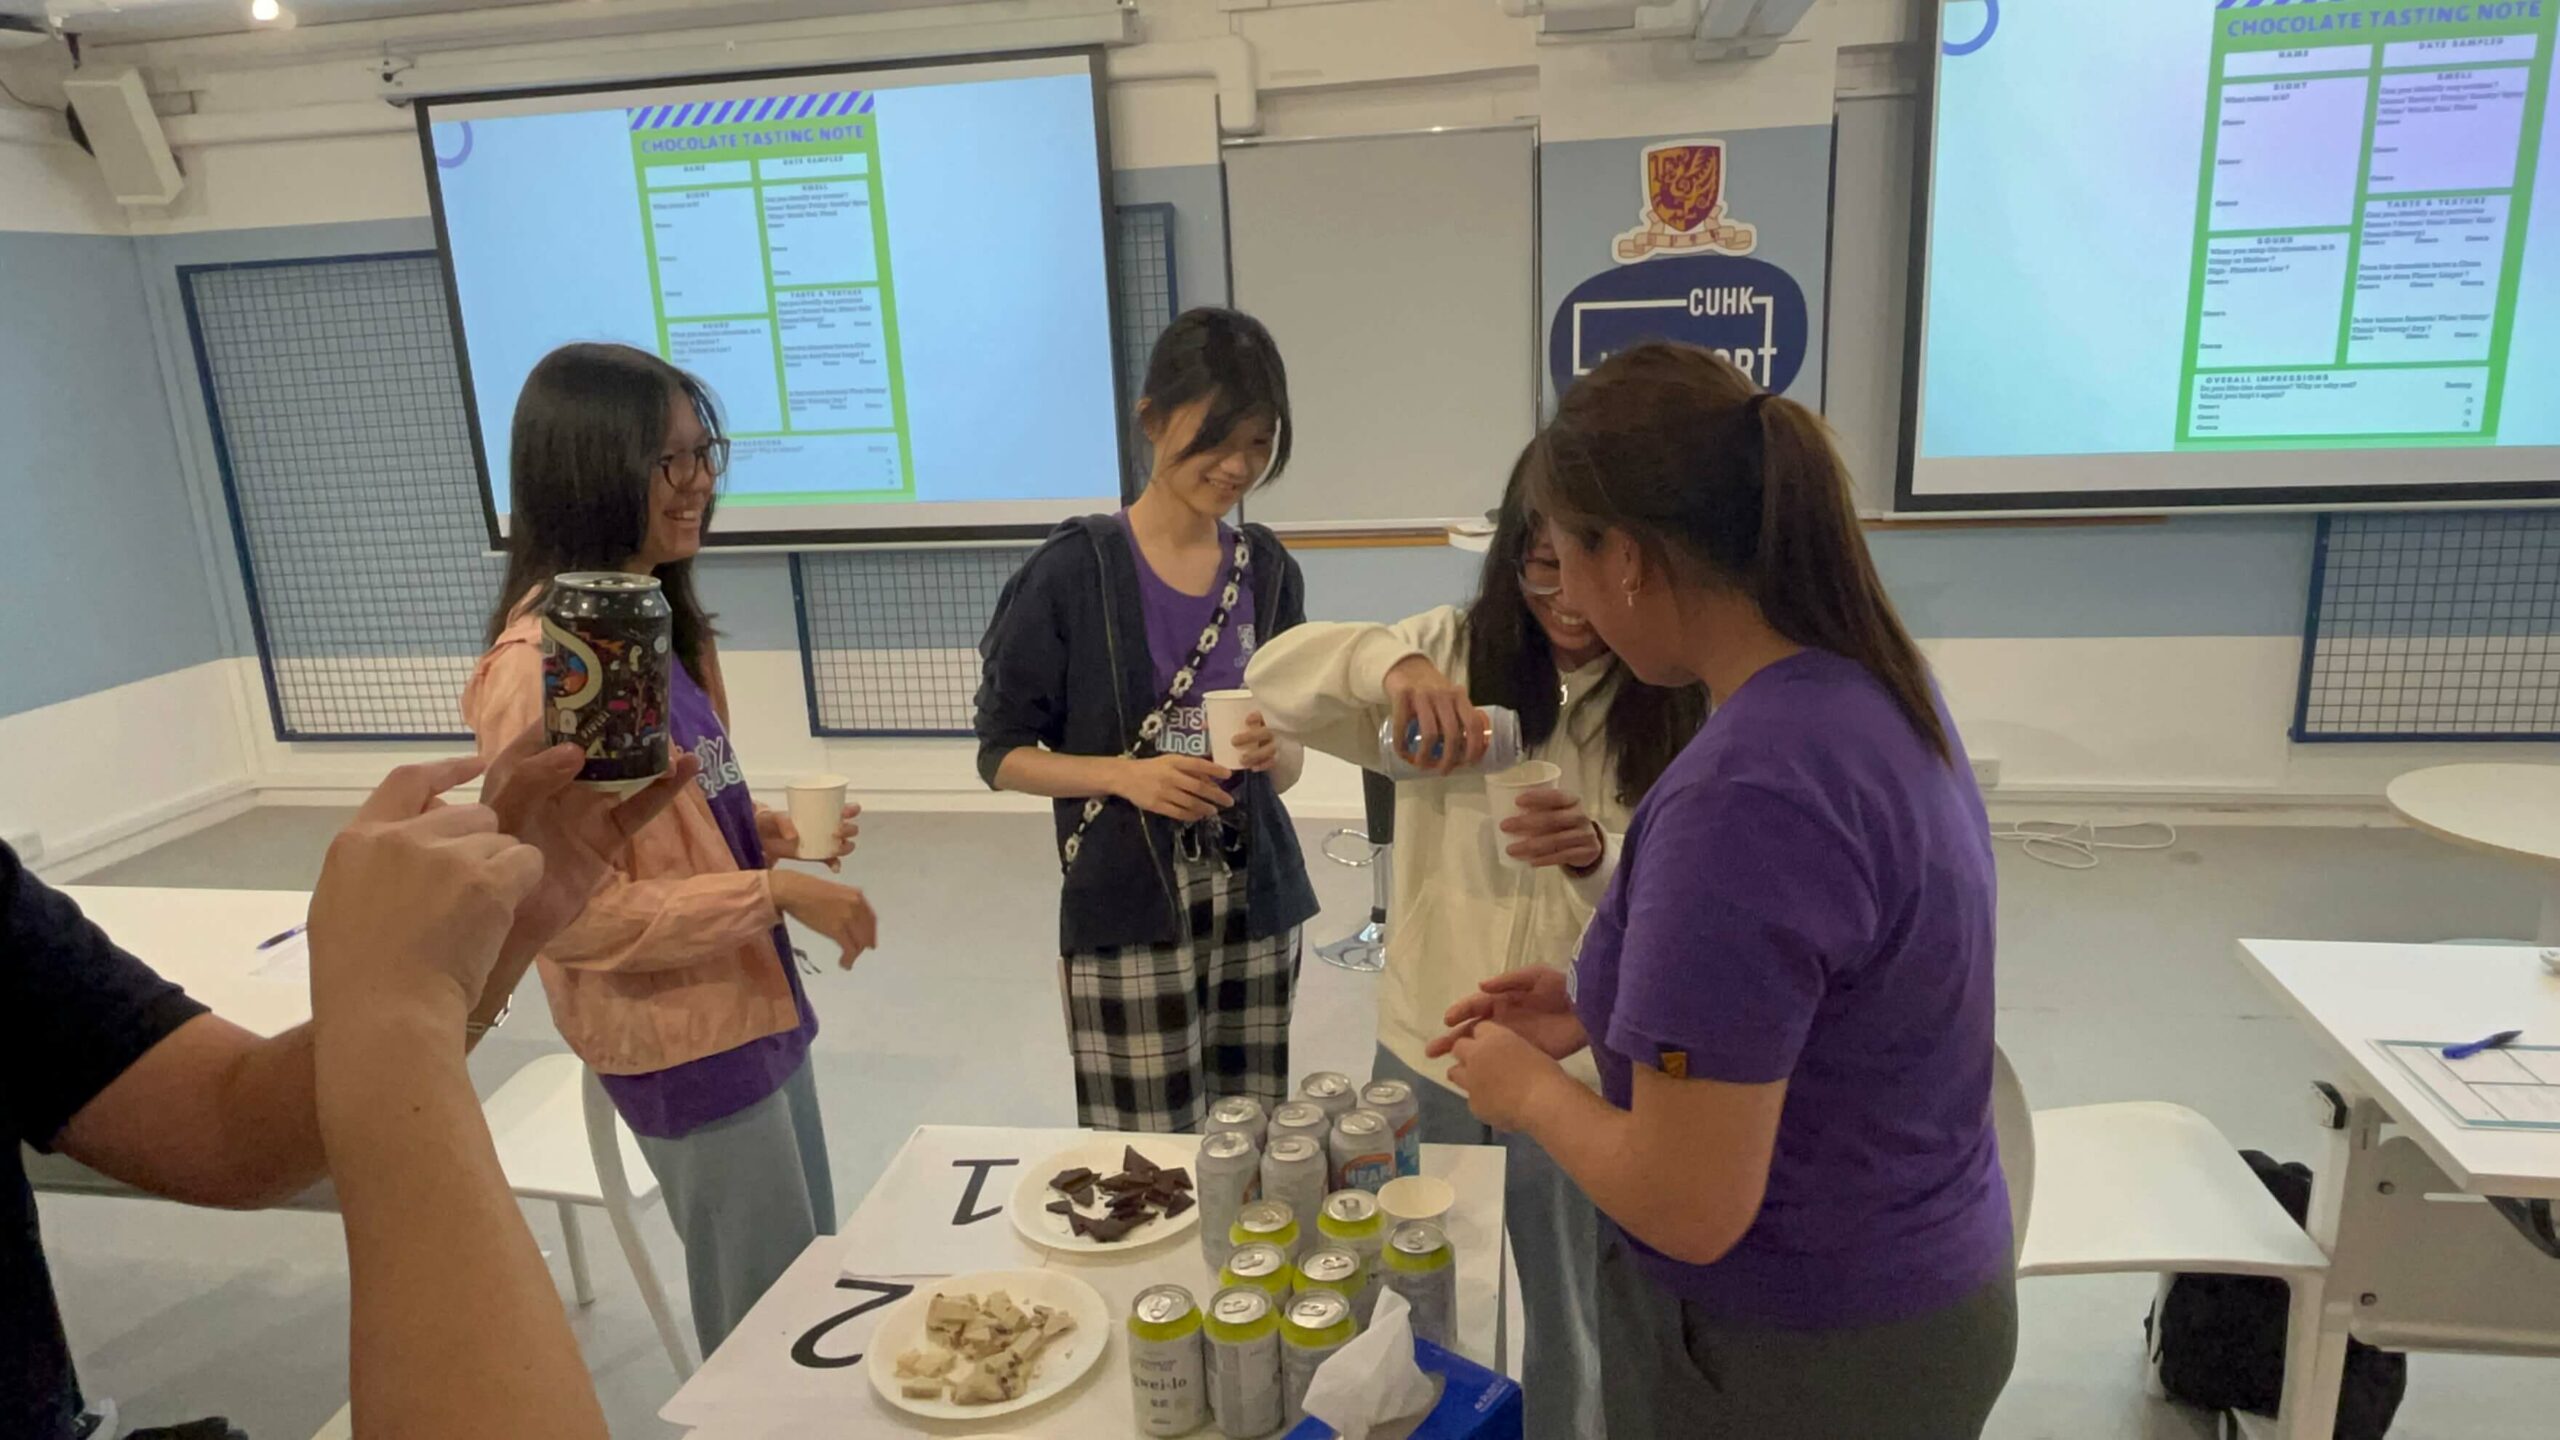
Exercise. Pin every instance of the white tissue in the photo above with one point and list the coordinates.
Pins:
(1373, 1381)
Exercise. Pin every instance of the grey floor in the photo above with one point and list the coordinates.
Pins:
(2115, 984)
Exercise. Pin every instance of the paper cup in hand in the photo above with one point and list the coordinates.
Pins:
(1504, 789)
(1224, 712)
(817, 809)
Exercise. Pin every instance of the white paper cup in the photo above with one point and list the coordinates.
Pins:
(817, 808)
(1224, 712)
(1503, 790)
(1416, 1197)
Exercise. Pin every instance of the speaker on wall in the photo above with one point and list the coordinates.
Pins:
(114, 112)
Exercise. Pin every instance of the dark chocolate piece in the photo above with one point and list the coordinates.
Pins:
(1078, 1225)
(1069, 1181)
(1173, 1178)
(1135, 1163)
(1176, 1206)
(1082, 1194)
(1132, 1206)
(1123, 1184)
(1062, 1207)
(1110, 1229)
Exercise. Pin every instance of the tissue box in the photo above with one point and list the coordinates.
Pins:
(1475, 1403)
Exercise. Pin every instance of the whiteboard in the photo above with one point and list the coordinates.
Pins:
(1398, 274)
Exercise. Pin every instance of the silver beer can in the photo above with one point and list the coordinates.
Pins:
(1395, 1100)
(1229, 1178)
(1167, 1367)
(1241, 1115)
(1363, 1152)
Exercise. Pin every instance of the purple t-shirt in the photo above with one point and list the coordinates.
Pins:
(666, 1104)
(1174, 623)
(1807, 896)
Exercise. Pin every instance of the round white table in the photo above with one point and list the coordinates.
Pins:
(2510, 810)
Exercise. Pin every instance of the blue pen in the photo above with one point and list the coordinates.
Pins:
(2498, 1041)
(273, 941)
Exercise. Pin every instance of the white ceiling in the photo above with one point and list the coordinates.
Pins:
(121, 21)
(108, 21)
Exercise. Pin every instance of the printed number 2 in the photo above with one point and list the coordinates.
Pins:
(804, 1351)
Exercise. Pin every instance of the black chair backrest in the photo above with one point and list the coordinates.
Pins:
(1380, 794)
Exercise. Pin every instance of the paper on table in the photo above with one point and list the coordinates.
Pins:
(288, 961)
(940, 1207)
(796, 1359)
(2516, 1087)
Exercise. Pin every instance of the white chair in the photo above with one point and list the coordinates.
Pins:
(557, 1140)
(2144, 1187)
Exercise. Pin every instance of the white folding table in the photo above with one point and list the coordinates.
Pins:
(793, 1368)
(2418, 1259)
(2509, 810)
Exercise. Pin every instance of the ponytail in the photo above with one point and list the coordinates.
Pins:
(1679, 449)
(1813, 578)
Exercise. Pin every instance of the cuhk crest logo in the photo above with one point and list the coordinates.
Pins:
(1684, 211)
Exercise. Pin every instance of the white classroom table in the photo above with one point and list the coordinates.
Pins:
(2407, 1272)
(205, 941)
(772, 1381)
(2509, 810)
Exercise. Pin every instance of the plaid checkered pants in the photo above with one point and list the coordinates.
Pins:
(1160, 1031)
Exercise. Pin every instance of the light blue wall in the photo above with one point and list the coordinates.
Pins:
(102, 580)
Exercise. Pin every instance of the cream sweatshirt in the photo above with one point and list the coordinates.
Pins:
(1459, 915)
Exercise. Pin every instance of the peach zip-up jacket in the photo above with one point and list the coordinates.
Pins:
(673, 958)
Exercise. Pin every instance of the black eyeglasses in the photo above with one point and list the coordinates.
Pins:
(711, 458)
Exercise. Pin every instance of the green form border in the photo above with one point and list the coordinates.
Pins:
(2519, 215)
(883, 281)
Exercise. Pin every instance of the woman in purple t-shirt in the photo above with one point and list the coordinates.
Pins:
(1788, 987)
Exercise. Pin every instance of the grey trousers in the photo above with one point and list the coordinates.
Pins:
(1555, 1235)
(1672, 1371)
(747, 1194)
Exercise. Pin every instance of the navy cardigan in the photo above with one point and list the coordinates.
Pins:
(1066, 666)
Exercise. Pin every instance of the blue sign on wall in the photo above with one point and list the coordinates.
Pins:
(1749, 311)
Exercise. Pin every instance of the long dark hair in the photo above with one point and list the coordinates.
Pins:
(590, 425)
(1229, 359)
(1679, 449)
(1511, 662)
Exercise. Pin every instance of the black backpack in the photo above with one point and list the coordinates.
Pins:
(2220, 1338)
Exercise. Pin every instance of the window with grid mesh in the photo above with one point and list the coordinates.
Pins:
(2433, 626)
(345, 453)
(889, 638)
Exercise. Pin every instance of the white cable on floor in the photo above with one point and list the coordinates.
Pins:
(2074, 844)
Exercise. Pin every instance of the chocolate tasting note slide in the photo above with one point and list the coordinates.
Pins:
(768, 249)
(2365, 203)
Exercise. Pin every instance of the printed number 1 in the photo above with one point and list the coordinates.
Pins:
(969, 1213)
(804, 1351)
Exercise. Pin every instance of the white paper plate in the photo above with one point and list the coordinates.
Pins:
(1065, 1362)
(1032, 1197)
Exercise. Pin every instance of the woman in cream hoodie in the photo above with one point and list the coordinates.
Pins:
(1459, 916)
